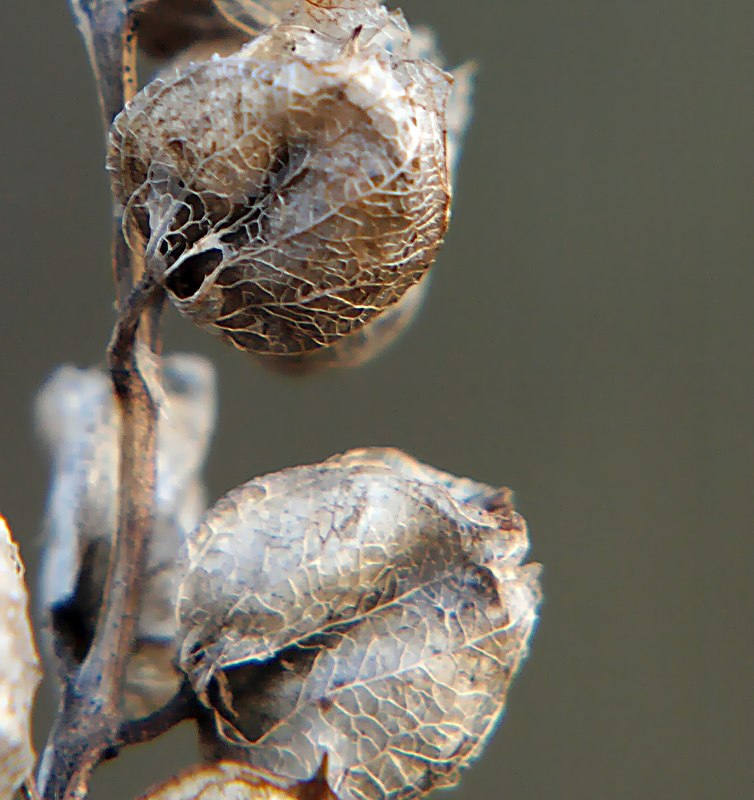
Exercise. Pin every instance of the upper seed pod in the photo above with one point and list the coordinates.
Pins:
(292, 191)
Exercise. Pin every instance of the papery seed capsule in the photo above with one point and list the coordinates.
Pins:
(291, 192)
(228, 779)
(360, 346)
(367, 613)
(20, 673)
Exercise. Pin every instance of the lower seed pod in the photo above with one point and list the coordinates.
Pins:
(291, 192)
(231, 780)
(362, 618)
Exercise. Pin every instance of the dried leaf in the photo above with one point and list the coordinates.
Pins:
(228, 779)
(369, 609)
(293, 191)
(20, 674)
(78, 418)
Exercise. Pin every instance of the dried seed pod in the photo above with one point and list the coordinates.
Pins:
(203, 51)
(20, 674)
(77, 417)
(363, 344)
(369, 609)
(228, 779)
(379, 333)
(423, 45)
(290, 192)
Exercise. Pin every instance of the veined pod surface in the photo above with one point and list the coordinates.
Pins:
(379, 333)
(20, 674)
(229, 780)
(369, 609)
(292, 191)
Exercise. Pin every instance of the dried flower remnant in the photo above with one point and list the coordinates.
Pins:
(79, 421)
(20, 674)
(369, 609)
(291, 192)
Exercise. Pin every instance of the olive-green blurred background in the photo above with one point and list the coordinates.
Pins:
(587, 340)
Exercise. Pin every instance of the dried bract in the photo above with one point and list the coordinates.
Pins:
(369, 609)
(233, 780)
(291, 192)
(20, 673)
(78, 418)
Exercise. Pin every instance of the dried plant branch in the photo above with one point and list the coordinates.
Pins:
(422, 571)
(90, 719)
(108, 28)
(90, 716)
(180, 708)
(115, 629)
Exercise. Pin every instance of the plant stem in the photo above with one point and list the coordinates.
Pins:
(108, 28)
(90, 726)
(181, 707)
(90, 717)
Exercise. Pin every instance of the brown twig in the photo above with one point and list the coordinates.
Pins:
(90, 726)
(108, 28)
(90, 718)
(180, 707)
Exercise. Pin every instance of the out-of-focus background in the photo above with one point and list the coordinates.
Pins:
(588, 340)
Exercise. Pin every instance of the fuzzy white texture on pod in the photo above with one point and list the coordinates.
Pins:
(78, 418)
